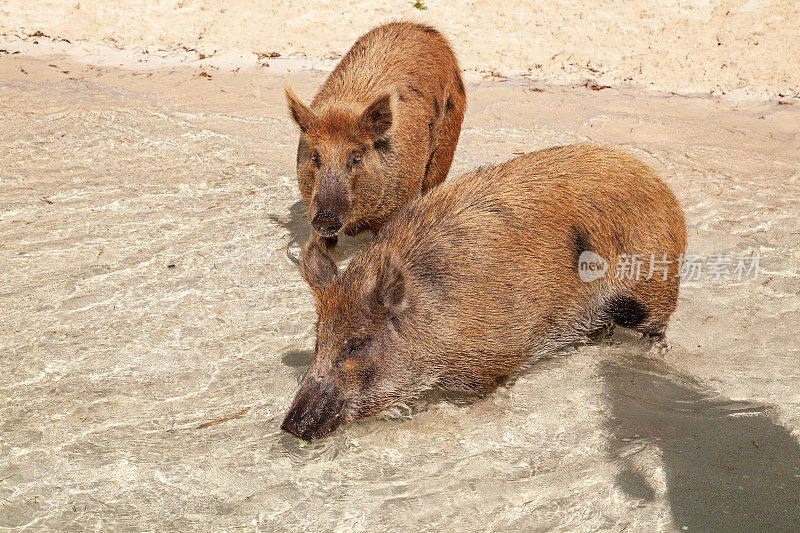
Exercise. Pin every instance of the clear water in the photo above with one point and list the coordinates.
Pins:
(153, 330)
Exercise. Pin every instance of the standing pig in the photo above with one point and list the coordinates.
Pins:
(383, 127)
(482, 273)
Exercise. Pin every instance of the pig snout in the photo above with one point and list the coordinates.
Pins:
(317, 410)
(326, 223)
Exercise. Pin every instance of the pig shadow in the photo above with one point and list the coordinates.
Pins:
(729, 466)
(298, 361)
(299, 229)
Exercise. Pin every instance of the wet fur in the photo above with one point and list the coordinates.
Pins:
(415, 66)
(487, 270)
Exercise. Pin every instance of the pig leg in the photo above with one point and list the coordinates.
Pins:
(646, 307)
(442, 156)
(660, 298)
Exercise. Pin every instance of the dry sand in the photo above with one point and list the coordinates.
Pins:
(153, 328)
(690, 46)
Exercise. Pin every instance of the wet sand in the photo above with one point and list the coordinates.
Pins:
(154, 327)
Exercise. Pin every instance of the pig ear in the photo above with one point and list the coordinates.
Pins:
(301, 114)
(390, 290)
(377, 118)
(317, 268)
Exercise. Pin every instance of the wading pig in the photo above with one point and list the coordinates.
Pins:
(383, 127)
(484, 272)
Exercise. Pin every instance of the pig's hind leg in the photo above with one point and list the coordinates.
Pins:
(646, 308)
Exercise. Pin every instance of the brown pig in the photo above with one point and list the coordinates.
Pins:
(382, 128)
(484, 272)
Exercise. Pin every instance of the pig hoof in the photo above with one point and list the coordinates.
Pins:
(656, 342)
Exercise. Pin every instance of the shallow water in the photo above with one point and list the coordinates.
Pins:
(727, 465)
(155, 328)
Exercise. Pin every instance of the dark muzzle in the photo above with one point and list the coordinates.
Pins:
(326, 223)
(316, 411)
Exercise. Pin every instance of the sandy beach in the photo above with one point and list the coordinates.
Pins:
(154, 327)
(747, 47)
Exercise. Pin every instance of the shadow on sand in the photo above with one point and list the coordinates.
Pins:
(298, 361)
(299, 228)
(728, 465)
(296, 223)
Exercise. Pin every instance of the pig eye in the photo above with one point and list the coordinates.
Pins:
(315, 159)
(351, 349)
(354, 160)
